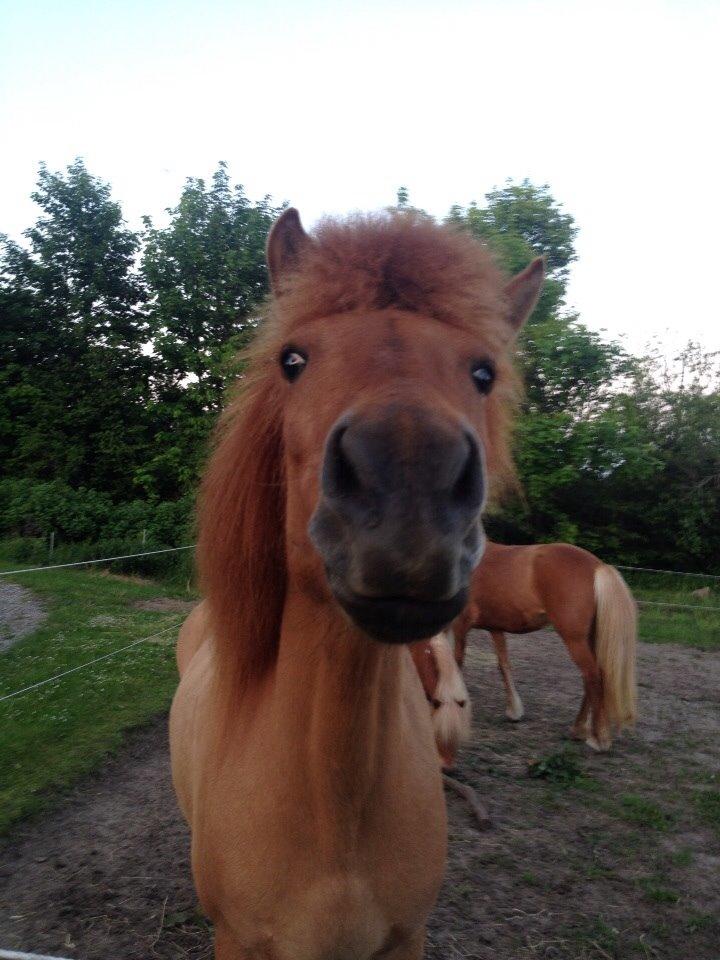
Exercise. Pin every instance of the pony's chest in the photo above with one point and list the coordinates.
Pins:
(329, 918)
(275, 866)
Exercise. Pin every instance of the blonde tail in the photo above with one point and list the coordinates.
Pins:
(616, 644)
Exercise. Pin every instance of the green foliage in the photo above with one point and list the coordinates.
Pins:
(112, 375)
(36, 509)
(561, 768)
(75, 383)
(206, 276)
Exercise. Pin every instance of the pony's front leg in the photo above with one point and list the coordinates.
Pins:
(227, 948)
(514, 709)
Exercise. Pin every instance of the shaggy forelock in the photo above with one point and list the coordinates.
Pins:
(402, 261)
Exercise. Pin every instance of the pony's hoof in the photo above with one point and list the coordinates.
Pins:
(578, 733)
(515, 714)
(600, 746)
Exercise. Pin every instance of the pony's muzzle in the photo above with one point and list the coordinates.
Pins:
(398, 522)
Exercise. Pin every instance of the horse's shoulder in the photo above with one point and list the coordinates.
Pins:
(192, 635)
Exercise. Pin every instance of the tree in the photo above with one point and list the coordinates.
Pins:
(206, 277)
(75, 384)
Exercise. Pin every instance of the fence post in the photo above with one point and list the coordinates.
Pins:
(144, 537)
(52, 545)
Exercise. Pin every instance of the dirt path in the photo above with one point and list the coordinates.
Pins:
(21, 612)
(618, 858)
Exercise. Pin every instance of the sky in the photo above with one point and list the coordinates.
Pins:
(332, 106)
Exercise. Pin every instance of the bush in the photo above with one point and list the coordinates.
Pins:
(32, 508)
(29, 508)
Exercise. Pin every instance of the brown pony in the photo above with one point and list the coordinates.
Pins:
(339, 521)
(521, 589)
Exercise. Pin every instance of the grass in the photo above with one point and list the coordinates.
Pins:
(707, 804)
(698, 627)
(645, 813)
(656, 892)
(52, 735)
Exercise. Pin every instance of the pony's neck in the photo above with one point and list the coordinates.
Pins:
(340, 695)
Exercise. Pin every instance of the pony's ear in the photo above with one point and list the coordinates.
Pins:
(285, 245)
(523, 291)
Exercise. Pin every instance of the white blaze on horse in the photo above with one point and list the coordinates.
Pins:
(339, 522)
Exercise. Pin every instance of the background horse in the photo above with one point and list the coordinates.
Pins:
(339, 521)
(521, 589)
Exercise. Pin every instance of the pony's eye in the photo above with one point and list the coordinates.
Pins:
(293, 362)
(483, 373)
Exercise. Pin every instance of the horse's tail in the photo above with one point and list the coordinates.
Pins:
(451, 702)
(616, 644)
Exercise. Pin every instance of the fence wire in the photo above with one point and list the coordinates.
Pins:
(85, 563)
(89, 663)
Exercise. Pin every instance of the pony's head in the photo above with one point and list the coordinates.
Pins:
(371, 424)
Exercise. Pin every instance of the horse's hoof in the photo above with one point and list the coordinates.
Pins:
(515, 715)
(600, 746)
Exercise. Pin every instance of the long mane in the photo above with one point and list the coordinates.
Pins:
(359, 264)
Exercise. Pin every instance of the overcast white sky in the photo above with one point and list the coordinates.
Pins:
(333, 105)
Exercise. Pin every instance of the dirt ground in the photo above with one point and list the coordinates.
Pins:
(607, 856)
(21, 612)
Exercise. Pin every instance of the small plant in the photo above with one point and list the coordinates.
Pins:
(561, 767)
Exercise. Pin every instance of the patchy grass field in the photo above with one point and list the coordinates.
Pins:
(670, 612)
(51, 735)
(591, 857)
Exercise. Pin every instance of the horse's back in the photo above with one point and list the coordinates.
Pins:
(521, 588)
(563, 567)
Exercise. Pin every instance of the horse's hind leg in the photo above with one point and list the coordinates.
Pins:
(598, 737)
(514, 710)
(581, 727)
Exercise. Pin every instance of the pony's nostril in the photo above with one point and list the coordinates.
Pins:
(468, 488)
(461, 703)
(340, 478)
(436, 704)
